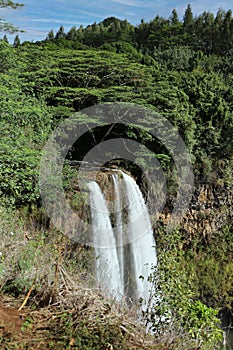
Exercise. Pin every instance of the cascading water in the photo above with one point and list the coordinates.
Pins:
(108, 274)
(118, 228)
(124, 269)
(140, 236)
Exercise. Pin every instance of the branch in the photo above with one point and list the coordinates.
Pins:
(26, 298)
(9, 3)
(8, 27)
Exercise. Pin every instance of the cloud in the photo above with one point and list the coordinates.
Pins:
(53, 20)
(46, 14)
(91, 14)
(134, 3)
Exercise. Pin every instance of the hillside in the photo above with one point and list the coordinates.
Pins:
(181, 70)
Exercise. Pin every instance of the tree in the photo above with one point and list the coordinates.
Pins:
(5, 39)
(61, 33)
(174, 17)
(188, 17)
(4, 25)
(16, 41)
(141, 34)
(72, 34)
(218, 28)
(50, 36)
(176, 30)
(95, 27)
(226, 32)
(188, 24)
(204, 30)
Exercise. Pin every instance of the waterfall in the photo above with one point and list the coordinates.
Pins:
(118, 228)
(107, 264)
(124, 268)
(140, 235)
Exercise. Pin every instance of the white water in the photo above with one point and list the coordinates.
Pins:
(140, 234)
(107, 265)
(118, 229)
(124, 269)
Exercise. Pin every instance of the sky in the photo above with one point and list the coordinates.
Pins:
(37, 18)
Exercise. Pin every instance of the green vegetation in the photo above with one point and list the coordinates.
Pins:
(181, 69)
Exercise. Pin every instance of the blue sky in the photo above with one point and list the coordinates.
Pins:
(37, 18)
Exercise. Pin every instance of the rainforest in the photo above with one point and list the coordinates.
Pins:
(181, 70)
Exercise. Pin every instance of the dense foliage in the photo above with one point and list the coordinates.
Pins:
(181, 69)
(209, 33)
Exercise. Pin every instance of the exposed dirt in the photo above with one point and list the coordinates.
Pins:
(11, 320)
(46, 328)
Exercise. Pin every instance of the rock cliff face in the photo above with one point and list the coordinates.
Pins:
(211, 208)
(209, 212)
